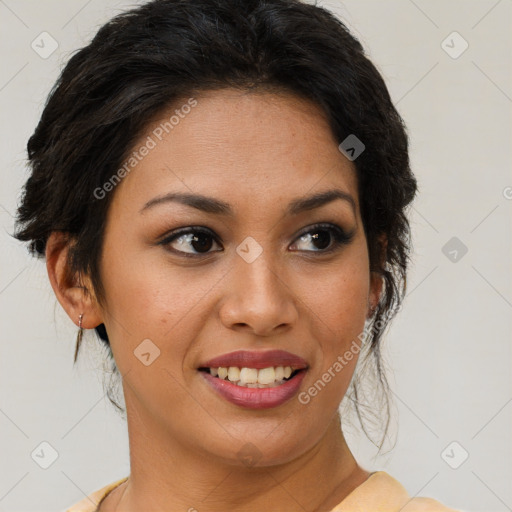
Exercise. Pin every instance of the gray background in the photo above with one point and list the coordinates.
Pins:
(448, 350)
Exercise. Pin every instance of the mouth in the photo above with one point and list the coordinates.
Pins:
(255, 380)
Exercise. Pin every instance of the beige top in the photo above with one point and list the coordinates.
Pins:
(379, 493)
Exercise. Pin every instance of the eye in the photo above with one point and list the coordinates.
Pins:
(327, 238)
(197, 239)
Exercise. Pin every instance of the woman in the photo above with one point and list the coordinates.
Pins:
(219, 190)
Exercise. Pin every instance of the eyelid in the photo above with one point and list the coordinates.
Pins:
(184, 231)
(323, 225)
(340, 235)
(176, 233)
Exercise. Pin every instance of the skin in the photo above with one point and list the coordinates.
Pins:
(256, 151)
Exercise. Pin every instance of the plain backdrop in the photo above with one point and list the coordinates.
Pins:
(448, 350)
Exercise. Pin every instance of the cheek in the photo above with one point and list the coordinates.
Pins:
(147, 301)
(339, 301)
(339, 297)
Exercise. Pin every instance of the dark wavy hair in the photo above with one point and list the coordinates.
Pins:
(145, 59)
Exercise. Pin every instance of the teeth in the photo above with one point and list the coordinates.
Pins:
(234, 374)
(248, 376)
(266, 376)
(252, 377)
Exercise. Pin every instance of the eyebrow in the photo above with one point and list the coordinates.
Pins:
(218, 207)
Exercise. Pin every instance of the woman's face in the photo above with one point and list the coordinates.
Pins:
(248, 271)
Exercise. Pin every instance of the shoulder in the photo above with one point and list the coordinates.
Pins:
(91, 502)
(382, 492)
(426, 504)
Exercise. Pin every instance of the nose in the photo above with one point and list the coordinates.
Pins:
(258, 299)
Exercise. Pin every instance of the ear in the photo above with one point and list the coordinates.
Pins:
(376, 279)
(75, 296)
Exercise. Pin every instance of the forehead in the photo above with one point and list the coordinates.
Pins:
(240, 146)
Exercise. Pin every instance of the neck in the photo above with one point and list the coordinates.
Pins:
(166, 475)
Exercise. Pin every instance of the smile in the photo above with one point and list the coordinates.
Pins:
(255, 380)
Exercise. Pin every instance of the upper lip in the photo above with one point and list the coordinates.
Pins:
(256, 359)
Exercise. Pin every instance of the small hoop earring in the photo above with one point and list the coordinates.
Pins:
(79, 335)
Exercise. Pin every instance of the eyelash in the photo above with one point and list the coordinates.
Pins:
(339, 238)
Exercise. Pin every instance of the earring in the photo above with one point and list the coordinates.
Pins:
(79, 335)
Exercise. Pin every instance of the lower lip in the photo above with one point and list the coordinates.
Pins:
(256, 398)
